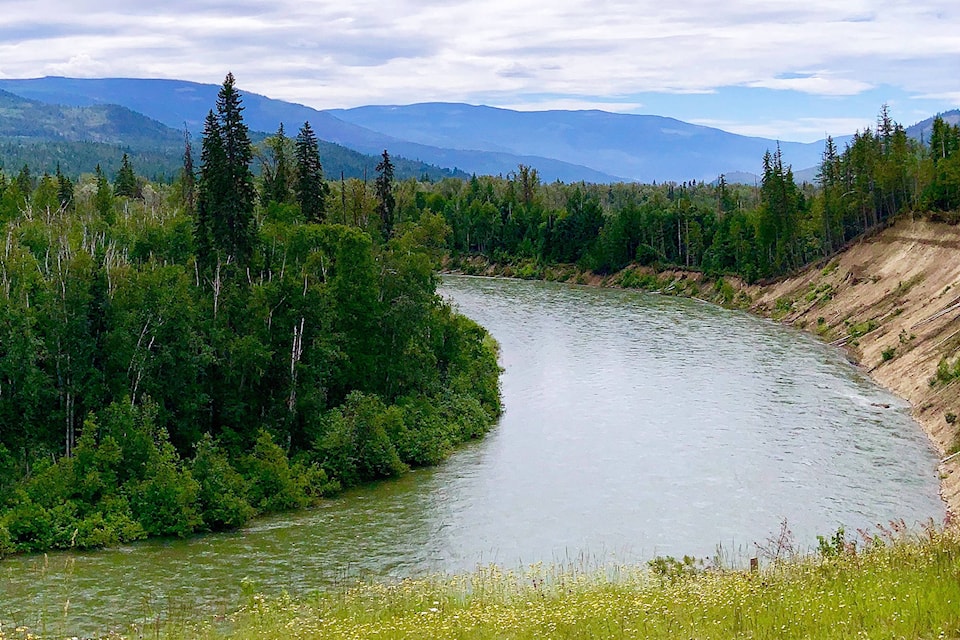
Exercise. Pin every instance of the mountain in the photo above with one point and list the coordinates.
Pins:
(78, 138)
(923, 129)
(177, 102)
(640, 147)
(110, 124)
(593, 146)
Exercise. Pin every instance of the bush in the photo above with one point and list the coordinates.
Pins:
(356, 446)
(223, 491)
(166, 502)
(273, 485)
(29, 526)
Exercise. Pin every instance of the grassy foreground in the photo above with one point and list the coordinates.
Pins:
(894, 586)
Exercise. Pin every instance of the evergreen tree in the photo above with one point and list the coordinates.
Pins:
(212, 162)
(187, 174)
(276, 171)
(64, 190)
(231, 196)
(224, 223)
(126, 181)
(103, 200)
(310, 187)
(24, 182)
(384, 190)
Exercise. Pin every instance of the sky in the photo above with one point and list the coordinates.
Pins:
(780, 69)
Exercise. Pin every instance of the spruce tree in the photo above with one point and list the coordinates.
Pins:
(126, 182)
(238, 195)
(187, 175)
(64, 190)
(24, 182)
(225, 223)
(384, 189)
(310, 187)
(103, 200)
(276, 172)
(212, 163)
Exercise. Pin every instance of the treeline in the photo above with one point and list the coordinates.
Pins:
(178, 358)
(755, 232)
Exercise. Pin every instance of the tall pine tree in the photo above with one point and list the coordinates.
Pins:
(126, 182)
(310, 187)
(384, 189)
(187, 176)
(212, 185)
(227, 193)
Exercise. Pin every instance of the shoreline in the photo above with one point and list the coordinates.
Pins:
(889, 301)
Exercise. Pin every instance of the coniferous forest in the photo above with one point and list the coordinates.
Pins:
(181, 357)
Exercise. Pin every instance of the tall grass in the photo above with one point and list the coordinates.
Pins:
(894, 586)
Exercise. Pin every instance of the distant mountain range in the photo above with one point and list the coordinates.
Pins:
(639, 147)
(176, 102)
(78, 137)
(593, 146)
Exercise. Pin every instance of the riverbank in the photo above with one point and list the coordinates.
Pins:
(894, 585)
(891, 301)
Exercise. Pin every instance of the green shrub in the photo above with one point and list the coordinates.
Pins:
(273, 484)
(223, 491)
(166, 503)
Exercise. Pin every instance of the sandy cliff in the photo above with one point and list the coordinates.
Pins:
(893, 300)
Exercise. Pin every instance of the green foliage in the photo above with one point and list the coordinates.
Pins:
(227, 194)
(355, 445)
(125, 184)
(273, 484)
(311, 190)
(946, 372)
(861, 329)
(223, 491)
(834, 545)
(384, 189)
(888, 353)
(276, 174)
(139, 381)
(669, 569)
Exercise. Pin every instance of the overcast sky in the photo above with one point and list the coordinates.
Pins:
(777, 68)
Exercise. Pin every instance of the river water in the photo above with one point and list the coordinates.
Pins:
(635, 425)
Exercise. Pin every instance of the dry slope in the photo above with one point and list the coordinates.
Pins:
(893, 300)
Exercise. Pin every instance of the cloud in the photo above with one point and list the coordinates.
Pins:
(332, 54)
(79, 66)
(798, 130)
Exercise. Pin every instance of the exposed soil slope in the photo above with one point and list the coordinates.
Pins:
(893, 300)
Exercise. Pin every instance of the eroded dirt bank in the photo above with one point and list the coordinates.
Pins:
(892, 300)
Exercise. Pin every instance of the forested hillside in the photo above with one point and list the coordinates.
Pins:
(76, 139)
(180, 358)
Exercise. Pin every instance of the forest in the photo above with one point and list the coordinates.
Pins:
(754, 232)
(180, 357)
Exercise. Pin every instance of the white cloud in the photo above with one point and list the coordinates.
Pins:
(575, 104)
(330, 53)
(79, 66)
(798, 130)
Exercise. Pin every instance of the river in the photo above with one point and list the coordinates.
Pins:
(635, 425)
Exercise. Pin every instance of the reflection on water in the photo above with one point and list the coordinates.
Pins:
(635, 425)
